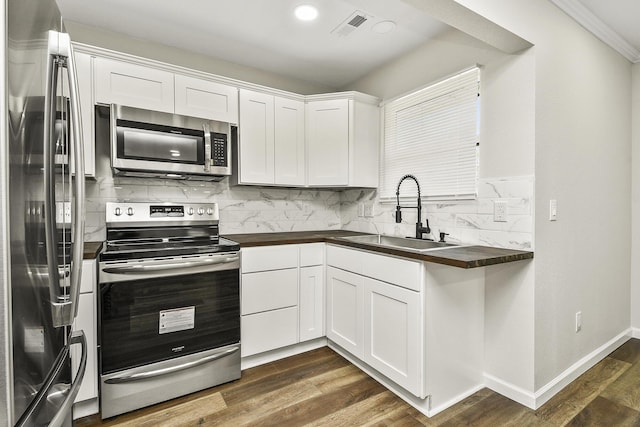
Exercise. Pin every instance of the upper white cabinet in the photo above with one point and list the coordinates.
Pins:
(84, 71)
(119, 82)
(289, 142)
(328, 142)
(271, 140)
(256, 135)
(205, 99)
(342, 140)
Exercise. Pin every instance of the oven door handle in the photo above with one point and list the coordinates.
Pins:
(165, 371)
(179, 266)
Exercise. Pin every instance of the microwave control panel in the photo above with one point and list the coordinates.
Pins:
(219, 149)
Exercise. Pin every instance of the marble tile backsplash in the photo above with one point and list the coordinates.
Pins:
(469, 222)
(262, 209)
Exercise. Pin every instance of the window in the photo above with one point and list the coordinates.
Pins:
(433, 134)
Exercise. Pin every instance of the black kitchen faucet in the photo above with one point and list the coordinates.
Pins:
(420, 230)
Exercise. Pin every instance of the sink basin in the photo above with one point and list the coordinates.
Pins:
(399, 242)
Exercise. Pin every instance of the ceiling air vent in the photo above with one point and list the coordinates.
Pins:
(350, 24)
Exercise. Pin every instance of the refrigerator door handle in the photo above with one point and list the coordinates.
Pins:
(77, 337)
(79, 196)
(64, 307)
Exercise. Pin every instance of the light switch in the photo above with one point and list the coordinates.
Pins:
(553, 210)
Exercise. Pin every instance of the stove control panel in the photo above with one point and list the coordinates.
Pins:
(158, 213)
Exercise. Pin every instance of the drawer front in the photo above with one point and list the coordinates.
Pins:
(311, 254)
(269, 330)
(401, 272)
(269, 258)
(345, 259)
(269, 290)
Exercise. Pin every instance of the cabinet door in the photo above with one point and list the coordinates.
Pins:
(206, 99)
(393, 336)
(311, 305)
(256, 138)
(289, 142)
(328, 142)
(345, 311)
(86, 321)
(123, 83)
(85, 92)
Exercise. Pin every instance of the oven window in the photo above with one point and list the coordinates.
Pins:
(160, 145)
(146, 321)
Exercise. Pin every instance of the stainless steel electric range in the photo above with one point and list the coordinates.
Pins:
(169, 304)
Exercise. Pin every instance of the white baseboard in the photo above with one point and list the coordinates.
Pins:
(433, 411)
(281, 353)
(635, 332)
(580, 367)
(511, 391)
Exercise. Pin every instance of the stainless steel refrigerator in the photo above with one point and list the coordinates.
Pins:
(42, 219)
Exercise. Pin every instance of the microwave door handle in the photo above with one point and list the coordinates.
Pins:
(207, 147)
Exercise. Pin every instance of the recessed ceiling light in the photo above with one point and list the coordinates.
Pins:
(306, 12)
(383, 27)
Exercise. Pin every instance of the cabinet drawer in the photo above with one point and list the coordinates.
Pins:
(400, 272)
(269, 330)
(269, 290)
(311, 254)
(269, 258)
(345, 259)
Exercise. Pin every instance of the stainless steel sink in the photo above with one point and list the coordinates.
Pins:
(399, 242)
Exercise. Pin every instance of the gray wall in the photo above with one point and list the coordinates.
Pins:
(171, 55)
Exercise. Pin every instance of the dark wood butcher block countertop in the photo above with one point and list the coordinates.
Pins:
(91, 250)
(457, 256)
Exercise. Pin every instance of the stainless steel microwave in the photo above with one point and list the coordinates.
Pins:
(157, 144)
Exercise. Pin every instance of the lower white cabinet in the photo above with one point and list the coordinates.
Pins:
(379, 322)
(311, 302)
(392, 333)
(86, 321)
(345, 310)
(282, 296)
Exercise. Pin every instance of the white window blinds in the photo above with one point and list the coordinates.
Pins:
(433, 134)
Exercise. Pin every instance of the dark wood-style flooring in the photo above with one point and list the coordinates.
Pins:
(320, 388)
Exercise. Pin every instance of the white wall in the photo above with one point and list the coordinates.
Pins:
(582, 159)
(506, 172)
(171, 55)
(635, 202)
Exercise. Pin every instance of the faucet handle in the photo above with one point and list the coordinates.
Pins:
(442, 236)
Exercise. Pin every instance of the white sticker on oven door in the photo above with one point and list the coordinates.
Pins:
(177, 319)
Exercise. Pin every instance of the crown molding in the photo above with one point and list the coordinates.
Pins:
(576, 10)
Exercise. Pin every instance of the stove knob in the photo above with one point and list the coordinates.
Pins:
(130, 211)
(209, 211)
(190, 211)
(200, 211)
(118, 212)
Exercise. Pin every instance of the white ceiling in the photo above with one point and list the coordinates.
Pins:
(615, 22)
(265, 34)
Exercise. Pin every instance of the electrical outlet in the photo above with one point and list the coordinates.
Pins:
(500, 211)
(578, 321)
(368, 210)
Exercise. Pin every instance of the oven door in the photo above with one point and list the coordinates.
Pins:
(158, 309)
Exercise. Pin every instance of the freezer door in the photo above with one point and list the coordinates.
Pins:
(44, 260)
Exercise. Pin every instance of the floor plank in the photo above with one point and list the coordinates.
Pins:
(321, 388)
